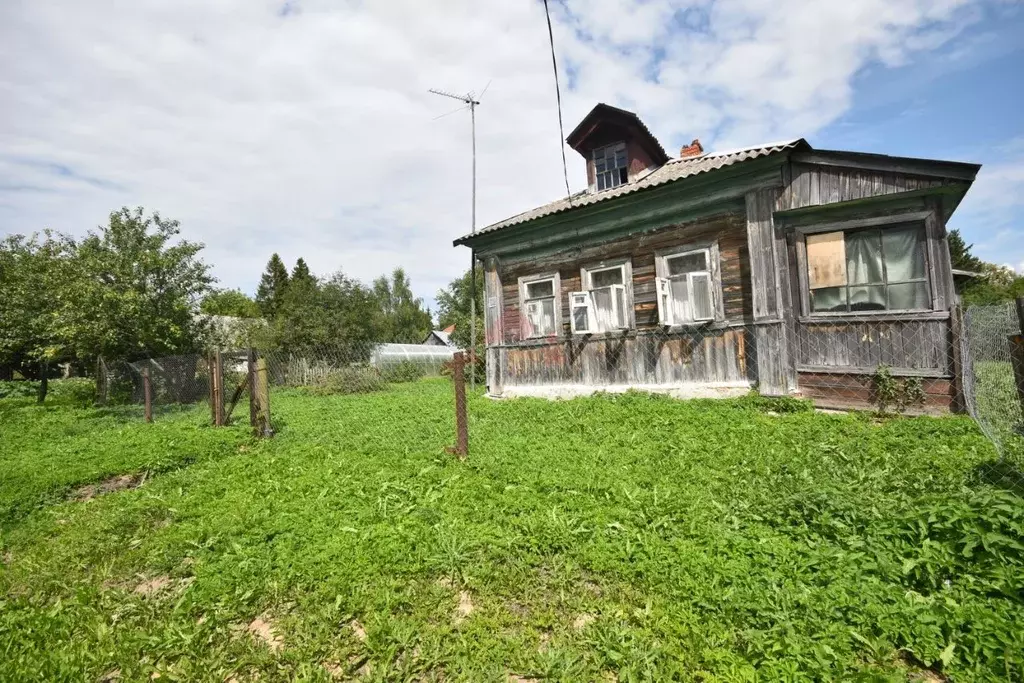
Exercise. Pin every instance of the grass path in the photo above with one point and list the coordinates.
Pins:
(628, 538)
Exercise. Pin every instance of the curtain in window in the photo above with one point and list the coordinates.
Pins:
(904, 260)
(864, 271)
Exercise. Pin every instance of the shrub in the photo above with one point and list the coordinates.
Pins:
(353, 380)
(79, 390)
(900, 394)
(18, 389)
(406, 371)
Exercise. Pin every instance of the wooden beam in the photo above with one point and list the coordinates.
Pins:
(956, 170)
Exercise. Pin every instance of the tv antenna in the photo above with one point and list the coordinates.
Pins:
(469, 99)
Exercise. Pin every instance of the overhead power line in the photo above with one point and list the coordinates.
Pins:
(558, 99)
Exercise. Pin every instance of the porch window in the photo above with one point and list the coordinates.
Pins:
(607, 302)
(611, 166)
(873, 269)
(540, 310)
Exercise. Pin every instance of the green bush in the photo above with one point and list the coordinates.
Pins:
(354, 380)
(18, 389)
(406, 371)
(79, 390)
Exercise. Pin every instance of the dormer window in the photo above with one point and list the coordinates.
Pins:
(610, 166)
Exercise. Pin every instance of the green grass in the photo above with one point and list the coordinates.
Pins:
(628, 538)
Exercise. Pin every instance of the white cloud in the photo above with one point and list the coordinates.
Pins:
(310, 132)
(991, 212)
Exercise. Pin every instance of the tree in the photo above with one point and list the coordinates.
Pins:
(405, 320)
(272, 287)
(960, 253)
(995, 283)
(137, 290)
(453, 308)
(38, 279)
(230, 302)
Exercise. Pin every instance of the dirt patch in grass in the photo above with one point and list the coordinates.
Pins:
(118, 483)
(583, 621)
(357, 630)
(262, 628)
(152, 586)
(464, 608)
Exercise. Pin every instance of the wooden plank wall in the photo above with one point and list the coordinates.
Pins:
(814, 185)
(728, 229)
(771, 296)
(691, 357)
(855, 391)
(916, 347)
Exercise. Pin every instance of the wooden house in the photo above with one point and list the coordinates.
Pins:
(782, 267)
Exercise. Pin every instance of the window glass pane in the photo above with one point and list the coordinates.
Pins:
(687, 263)
(680, 299)
(623, 175)
(605, 278)
(601, 183)
(828, 299)
(579, 315)
(603, 313)
(867, 298)
(547, 317)
(826, 260)
(904, 253)
(538, 290)
(909, 296)
(620, 305)
(863, 257)
(702, 297)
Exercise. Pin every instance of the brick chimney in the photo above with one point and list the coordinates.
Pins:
(695, 149)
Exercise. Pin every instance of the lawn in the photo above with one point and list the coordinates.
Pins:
(607, 538)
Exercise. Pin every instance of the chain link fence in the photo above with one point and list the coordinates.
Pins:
(963, 362)
(995, 389)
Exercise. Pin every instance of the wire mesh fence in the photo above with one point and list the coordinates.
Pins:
(995, 376)
(934, 363)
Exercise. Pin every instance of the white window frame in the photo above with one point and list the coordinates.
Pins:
(556, 291)
(666, 314)
(586, 295)
(604, 152)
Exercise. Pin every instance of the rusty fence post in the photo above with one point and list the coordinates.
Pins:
(461, 448)
(147, 394)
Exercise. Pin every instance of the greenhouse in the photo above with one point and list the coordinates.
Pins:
(426, 356)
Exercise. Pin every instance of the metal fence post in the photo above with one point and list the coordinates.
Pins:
(461, 448)
(147, 394)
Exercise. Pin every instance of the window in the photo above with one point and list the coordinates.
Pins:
(610, 166)
(687, 285)
(874, 269)
(606, 305)
(540, 309)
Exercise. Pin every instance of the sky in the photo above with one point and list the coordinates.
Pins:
(305, 127)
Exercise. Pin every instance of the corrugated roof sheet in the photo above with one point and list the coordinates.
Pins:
(672, 170)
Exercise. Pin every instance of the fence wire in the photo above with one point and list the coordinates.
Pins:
(995, 393)
(890, 364)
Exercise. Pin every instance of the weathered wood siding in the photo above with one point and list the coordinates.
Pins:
(814, 185)
(728, 229)
(920, 347)
(855, 391)
(701, 357)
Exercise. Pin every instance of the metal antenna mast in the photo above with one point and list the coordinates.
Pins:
(469, 101)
